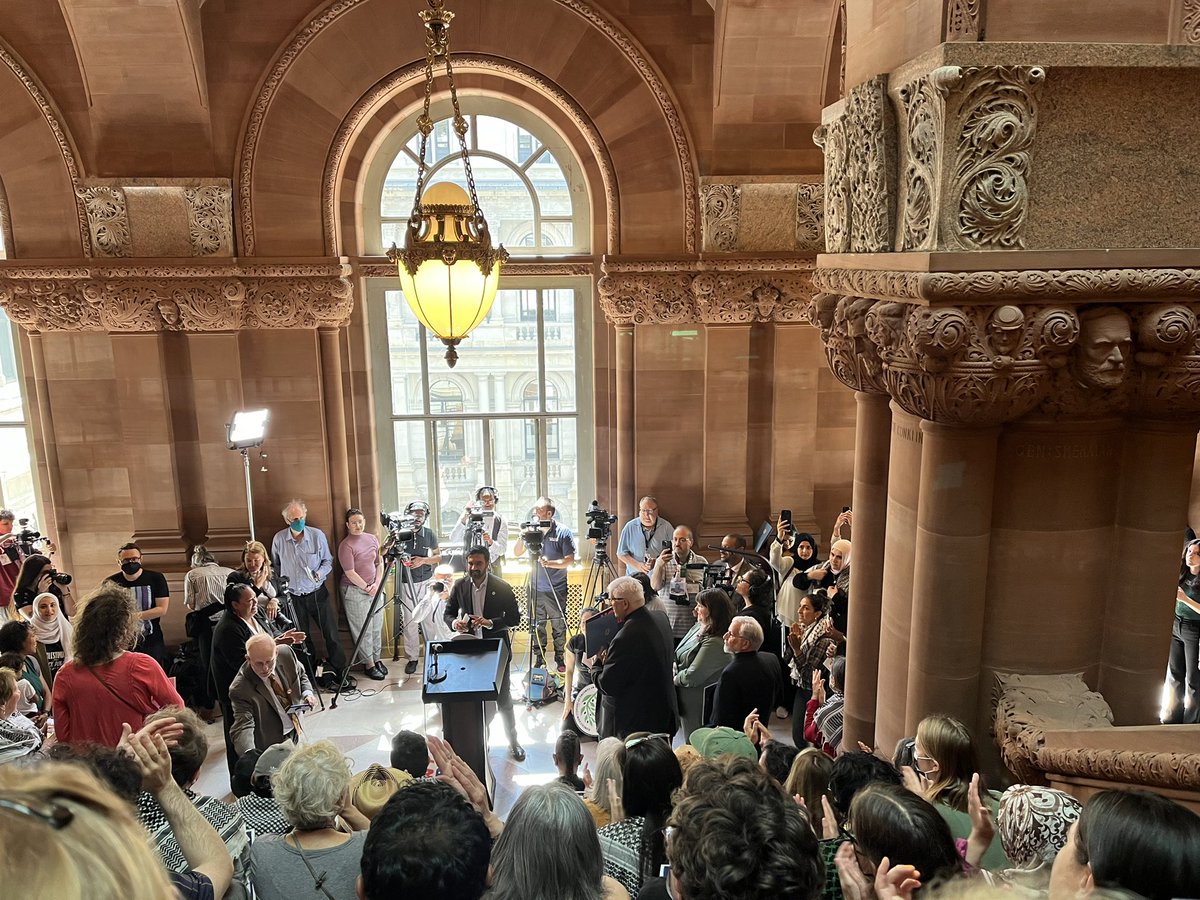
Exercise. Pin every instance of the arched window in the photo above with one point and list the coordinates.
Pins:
(517, 406)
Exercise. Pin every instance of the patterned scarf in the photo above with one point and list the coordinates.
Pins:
(1032, 823)
(828, 720)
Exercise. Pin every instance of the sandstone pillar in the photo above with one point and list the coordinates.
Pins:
(726, 397)
(335, 426)
(895, 619)
(872, 445)
(1151, 516)
(954, 520)
(47, 471)
(626, 447)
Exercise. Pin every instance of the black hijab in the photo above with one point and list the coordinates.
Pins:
(800, 581)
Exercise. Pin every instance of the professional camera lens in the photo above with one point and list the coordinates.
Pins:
(60, 578)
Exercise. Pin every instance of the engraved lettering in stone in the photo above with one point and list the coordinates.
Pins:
(1091, 450)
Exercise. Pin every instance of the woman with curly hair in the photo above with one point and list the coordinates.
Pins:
(107, 685)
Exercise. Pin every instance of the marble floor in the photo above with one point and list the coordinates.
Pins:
(363, 725)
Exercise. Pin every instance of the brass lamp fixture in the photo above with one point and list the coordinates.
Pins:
(448, 269)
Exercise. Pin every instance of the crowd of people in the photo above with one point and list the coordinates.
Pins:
(690, 796)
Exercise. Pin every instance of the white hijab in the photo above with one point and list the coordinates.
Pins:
(57, 630)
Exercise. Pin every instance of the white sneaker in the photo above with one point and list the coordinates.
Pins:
(781, 713)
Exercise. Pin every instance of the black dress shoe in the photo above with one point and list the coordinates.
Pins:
(374, 673)
(382, 668)
(516, 751)
(410, 667)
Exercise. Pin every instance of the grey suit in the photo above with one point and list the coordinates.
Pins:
(259, 719)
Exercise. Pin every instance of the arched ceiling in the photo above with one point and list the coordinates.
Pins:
(769, 68)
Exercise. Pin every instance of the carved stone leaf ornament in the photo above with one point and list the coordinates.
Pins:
(153, 298)
(722, 207)
(869, 129)
(1189, 22)
(725, 292)
(108, 220)
(923, 104)
(995, 111)
(964, 20)
(810, 217)
(210, 219)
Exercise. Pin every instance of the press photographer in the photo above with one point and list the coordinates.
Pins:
(419, 552)
(480, 523)
(553, 545)
(15, 548)
(37, 575)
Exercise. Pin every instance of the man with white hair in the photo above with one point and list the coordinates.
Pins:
(751, 681)
(301, 554)
(265, 694)
(634, 673)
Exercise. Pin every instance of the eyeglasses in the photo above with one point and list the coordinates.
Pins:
(917, 758)
(55, 815)
(633, 742)
(643, 509)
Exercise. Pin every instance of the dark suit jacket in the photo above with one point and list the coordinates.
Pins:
(636, 679)
(750, 681)
(499, 605)
(256, 719)
(228, 651)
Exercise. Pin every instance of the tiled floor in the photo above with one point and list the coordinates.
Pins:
(363, 725)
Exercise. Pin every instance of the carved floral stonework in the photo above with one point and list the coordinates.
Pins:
(860, 162)
(710, 292)
(210, 219)
(810, 217)
(720, 206)
(969, 356)
(993, 114)
(146, 297)
(1189, 22)
(108, 220)
(964, 20)
(922, 104)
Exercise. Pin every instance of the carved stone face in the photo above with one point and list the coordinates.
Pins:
(1105, 345)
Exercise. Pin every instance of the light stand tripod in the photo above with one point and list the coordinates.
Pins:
(288, 610)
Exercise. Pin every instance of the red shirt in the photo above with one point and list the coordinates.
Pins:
(86, 710)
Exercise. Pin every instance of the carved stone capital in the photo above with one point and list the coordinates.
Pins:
(724, 291)
(1059, 354)
(763, 216)
(149, 297)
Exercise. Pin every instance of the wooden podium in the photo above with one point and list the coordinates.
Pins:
(462, 675)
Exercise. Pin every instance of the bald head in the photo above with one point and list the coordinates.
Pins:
(261, 653)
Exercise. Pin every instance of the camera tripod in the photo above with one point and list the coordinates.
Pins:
(601, 566)
(392, 556)
(288, 610)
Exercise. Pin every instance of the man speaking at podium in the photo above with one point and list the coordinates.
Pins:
(485, 606)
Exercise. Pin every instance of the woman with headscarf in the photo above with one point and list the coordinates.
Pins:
(833, 578)
(53, 632)
(792, 556)
(1183, 663)
(1033, 823)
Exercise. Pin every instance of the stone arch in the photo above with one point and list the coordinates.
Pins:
(313, 86)
(38, 162)
(374, 118)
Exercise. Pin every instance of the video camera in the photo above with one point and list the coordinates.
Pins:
(600, 522)
(402, 529)
(533, 534)
(24, 543)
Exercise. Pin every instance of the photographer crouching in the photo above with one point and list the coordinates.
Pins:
(555, 555)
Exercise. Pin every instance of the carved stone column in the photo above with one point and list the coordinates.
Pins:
(872, 445)
(726, 380)
(895, 617)
(626, 447)
(335, 425)
(954, 521)
(1151, 515)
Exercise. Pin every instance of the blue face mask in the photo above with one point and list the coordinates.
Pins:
(297, 526)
